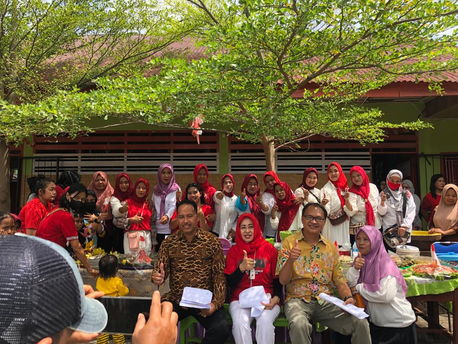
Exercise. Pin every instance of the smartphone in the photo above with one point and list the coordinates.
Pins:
(123, 312)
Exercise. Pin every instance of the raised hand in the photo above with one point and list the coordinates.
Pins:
(324, 201)
(247, 263)
(136, 219)
(359, 261)
(295, 252)
(306, 193)
(243, 196)
(383, 197)
(346, 195)
(164, 219)
(179, 194)
(158, 277)
(299, 200)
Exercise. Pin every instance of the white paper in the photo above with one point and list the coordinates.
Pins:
(352, 309)
(253, 298)
(196, 298)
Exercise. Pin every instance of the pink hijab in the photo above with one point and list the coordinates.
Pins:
(378, 263)
(162, 190)
(101, 195)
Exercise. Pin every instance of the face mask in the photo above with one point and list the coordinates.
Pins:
(76, 206)
(393, 186)
(90, 208)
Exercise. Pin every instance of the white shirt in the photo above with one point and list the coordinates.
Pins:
(358, 214)
(338, 233)
(310, 198)
(269, 200)
(388, 306)
(169, 209)
(226, 215)
(391, 207)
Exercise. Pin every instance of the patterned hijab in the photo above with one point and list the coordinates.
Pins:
(254, 206)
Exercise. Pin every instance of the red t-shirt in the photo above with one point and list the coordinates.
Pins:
(428, 204)
(142, 209)
(59, 227)
(266, 262)
(33, 213)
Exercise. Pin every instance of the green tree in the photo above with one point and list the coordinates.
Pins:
(279, 71)
(52, 45)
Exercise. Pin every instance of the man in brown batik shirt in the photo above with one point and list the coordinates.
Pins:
(194, 258)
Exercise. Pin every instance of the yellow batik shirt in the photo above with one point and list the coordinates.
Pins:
(316, 271)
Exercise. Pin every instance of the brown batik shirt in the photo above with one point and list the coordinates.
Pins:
(198, 263)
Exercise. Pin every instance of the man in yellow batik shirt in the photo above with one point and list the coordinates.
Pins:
(309, 265)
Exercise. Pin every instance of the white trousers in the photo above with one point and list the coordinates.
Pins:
(241, 324)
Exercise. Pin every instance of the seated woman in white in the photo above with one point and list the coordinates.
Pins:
(376, 277)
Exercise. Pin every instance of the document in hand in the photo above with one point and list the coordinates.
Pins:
(196, 298)
(352, 309)
(253, 298)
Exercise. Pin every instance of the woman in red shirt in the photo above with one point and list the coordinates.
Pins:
(432, 198)
(34, 211)
(201, 177)
(59, 227)
(137, 238)
(252, 262)
(205, 213)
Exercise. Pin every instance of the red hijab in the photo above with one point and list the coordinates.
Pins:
(230, 194)
(121, 195)
(134, 196)
(275, 177)
(363, 190)
(304, 177)
(341, 183)
(241, 245)
(287, 207)
(208, 189)
(254, 206)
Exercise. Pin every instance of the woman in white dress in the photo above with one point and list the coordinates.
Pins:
(364, 199)
(226, 212)
(308, 191)
(335, 190)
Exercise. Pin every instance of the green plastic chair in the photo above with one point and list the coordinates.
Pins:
(188, 331)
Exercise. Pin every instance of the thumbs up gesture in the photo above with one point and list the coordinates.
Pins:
(158, 277)
(247, 263)
(295, 252)
(359, 261)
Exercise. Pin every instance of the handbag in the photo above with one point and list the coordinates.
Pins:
(338, 217)
(392, 238)
(134, 240)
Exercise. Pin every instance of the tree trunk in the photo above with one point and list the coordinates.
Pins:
(5, 201)
(269, 151)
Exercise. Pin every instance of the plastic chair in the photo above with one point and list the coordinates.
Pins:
(187, 331)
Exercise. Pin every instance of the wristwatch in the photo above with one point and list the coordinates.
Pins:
(347, 297)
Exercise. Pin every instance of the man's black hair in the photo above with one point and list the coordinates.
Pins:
(315, 205)
(187, 202)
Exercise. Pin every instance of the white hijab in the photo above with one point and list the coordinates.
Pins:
(397, 194)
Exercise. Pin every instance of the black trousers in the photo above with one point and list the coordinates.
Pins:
(160, 238)
(216, 326)
(392, 335)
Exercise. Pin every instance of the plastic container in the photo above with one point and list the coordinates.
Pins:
(407, 251)
(225, 245)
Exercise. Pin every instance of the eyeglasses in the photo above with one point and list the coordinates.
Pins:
(246, 229)
(314, 218)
